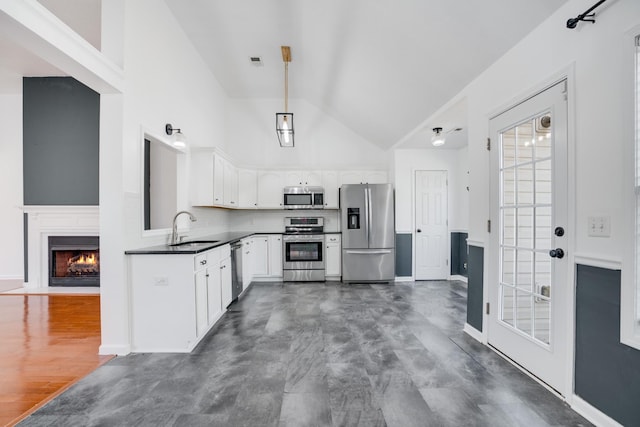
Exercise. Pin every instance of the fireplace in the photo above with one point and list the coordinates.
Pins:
(74, 261)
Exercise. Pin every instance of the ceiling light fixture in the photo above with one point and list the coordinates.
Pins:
(179, 140)
(284, 121)
(438, 137)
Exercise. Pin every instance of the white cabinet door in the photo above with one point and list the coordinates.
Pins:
(275, 255)
(375, 177)
(218, 180)
(230, 192)
(351, 177)
(202, 178)
(330, 182)
(304, 178)
(247, 188)
(201, 302)
(225, 282)
(293, 178)
(270, 185)
(333, 255)
(214, 296)
(260, 255)
(247, 262)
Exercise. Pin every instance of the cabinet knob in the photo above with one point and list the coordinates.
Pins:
(207, 275)
(203, 262)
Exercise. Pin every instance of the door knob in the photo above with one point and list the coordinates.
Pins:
(556, 253)
(559, 231)
(419, 231)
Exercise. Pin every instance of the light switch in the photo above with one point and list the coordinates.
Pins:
(599, 226)
(161, 281)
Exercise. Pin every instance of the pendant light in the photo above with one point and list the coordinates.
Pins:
(438, 138)
(284, 121)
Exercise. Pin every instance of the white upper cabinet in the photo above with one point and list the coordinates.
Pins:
(218, 180)
(363, 177)
(215, 181)
(304, 178)
(376, 177)
(248, 188)
(201, 178)
(270, 185)
(330, 182)
(230, 185)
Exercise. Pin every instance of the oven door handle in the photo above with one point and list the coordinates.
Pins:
(373, 252)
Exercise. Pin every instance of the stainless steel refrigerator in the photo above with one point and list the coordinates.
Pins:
(368, 232)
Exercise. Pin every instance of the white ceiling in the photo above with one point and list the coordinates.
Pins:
(381, 67)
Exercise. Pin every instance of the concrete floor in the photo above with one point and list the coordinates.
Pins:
(320, 355)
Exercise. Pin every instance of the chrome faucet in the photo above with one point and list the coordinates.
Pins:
(174, 234)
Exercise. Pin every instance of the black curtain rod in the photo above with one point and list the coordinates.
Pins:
(586, 17)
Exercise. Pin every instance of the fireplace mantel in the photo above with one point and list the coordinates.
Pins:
(45, 221)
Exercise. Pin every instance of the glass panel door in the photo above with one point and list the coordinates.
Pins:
(525, 209)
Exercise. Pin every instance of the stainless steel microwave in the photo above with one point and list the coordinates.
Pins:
(303, 197)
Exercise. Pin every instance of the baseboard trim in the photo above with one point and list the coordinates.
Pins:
(591, 413)
(120, 350)
(473, 332)
(459, 278)
(403, 279)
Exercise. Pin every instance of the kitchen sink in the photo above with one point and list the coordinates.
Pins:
(194, 243)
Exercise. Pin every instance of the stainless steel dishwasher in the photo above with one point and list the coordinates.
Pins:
(236, 270)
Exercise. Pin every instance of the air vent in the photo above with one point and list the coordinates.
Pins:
(256, 61)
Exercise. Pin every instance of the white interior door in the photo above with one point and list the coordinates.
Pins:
(528, 289)
(432, 244)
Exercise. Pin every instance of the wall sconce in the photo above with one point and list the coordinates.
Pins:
(438, 138)
(179, 140)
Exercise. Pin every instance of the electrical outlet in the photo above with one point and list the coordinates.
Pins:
(161, 281)
(599, 226)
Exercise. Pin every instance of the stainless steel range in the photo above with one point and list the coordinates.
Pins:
(302, 246)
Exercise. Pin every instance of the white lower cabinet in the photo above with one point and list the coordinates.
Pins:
(267, 255)
(225, 281)
(176, 299)
(333, 256)
(247, 262)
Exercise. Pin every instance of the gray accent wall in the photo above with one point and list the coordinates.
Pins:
(61, 124)
(607, 373)
(475, 287)
(404, 254)
(459, 254)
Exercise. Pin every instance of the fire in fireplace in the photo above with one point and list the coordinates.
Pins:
(74, 261)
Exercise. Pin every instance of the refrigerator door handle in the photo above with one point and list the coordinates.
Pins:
(369, 215)
(368, 252)
(367, 208)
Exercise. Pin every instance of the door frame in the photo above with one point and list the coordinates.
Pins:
(567, 74)
(414, 199)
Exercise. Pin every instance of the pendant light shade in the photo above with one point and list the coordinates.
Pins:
(284, 129)
(284, 121)
(437, 139)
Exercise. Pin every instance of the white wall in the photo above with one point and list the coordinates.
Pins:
(601, 102)
(320, 140)
(166, 82)
(407, 161)
(11, 223)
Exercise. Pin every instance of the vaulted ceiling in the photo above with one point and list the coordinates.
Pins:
(381, 67)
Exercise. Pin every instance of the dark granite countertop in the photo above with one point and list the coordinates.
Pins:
(195, 245)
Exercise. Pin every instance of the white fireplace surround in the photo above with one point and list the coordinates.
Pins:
(45, 221)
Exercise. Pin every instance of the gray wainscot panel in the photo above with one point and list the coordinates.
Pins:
(607, 373)
(404, 251)
(475, 287)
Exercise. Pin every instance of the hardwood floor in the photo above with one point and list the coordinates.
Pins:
(47, 343)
